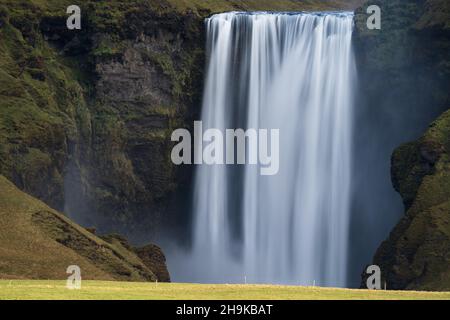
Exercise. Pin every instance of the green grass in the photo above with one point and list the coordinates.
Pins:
(107, 290)
(37, 242)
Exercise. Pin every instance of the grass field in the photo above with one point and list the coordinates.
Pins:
(104, 290)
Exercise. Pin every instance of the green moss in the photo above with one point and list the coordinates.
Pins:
(416, 254)
(436, 15)
(34, 162)
(179, 77)
(52, 114)
(213, 6)
(407, 171)
(108, 47)
(39, 101)
(440, 131)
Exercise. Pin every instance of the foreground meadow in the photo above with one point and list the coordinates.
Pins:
(105, 290)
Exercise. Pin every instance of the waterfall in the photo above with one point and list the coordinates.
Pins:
(293, 72)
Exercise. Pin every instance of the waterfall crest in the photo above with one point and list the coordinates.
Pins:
(293, 72)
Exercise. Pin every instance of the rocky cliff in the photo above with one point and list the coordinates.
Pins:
(405, 83)
(417, 253)
(86, 115)
(85, 124)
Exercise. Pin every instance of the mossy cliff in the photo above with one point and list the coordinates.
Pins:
(404, 84)
(416, 255)
(86, 115)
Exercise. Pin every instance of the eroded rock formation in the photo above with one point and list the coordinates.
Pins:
(405, 83)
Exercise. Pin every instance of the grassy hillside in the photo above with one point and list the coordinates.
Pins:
(91, 290)
(36, 242)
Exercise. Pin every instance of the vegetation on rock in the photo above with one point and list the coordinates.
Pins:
(404, 85)
(416, 255)
(86, 115)
(86, 118)
(37, 242)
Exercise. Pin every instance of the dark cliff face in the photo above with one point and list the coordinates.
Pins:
(147, 83)
(404, 85)
(86, 115)
(417, 253)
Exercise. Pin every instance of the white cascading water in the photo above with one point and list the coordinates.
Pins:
(293, 72)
